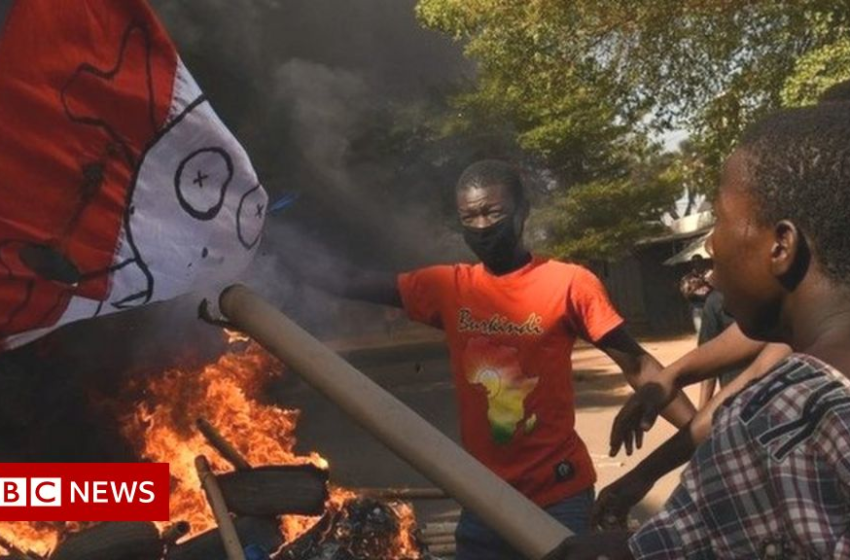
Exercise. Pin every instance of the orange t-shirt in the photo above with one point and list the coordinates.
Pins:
(511, 339)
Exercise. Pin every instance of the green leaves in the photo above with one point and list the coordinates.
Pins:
(816, 71)
(578, 87)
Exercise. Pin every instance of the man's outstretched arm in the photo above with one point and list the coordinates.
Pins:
(616, 500)
(370, 286)
(729, 349)
(640, 368)
(344, 280)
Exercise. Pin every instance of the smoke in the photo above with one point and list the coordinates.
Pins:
(314, 91)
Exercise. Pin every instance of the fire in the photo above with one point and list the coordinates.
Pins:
(227, 394)
(404, 541)
(35, 539)
(39, 538)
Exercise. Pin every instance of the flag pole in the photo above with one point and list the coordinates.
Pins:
(527, 528)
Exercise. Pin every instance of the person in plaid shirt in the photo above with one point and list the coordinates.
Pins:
(773, 478)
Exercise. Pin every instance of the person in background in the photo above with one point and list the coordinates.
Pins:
(695, 288)
(714, 321)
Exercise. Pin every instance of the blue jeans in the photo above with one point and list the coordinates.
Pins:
(476, 541)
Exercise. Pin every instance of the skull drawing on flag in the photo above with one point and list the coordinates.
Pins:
(121, 184)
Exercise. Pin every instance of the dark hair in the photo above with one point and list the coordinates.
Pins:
(490, 172)
(836, 93)
(800, 171)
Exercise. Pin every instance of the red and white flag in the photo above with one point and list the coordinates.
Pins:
(119, 185)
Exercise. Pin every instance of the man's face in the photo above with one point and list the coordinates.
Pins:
(482, 207)
(493, 224)
(741, 248)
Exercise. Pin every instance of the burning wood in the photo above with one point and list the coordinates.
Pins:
(175, 532)
(30, 539)
(228, 395)
(276, 490)
(364, 529)
(271, 490)
(224, 448)
(15, 553)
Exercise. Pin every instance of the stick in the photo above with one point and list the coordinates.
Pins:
(442, 527)
(229, 537)
(441, 549)
(439, 526)
(224, 448)
(403, 493)
(438, 539)
(431, 536)
(520, 522)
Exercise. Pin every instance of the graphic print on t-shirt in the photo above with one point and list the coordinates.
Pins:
(496, 369)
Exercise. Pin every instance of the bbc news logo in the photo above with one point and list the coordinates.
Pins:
(84, 491)
(34, 492)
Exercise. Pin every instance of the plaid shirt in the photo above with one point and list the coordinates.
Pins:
(773, 480)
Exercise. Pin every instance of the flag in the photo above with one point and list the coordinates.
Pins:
(119, 185)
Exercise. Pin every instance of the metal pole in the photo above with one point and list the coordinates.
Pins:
(519, 521)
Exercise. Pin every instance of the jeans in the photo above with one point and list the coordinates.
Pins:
(476, 541)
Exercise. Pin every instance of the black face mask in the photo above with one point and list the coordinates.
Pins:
(495, 245)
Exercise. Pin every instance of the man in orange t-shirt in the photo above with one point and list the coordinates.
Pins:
(511, 323)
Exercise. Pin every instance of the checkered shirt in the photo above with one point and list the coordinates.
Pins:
(772, 481)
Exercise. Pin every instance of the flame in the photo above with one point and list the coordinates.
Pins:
(228, 394)
(405, 544)
(38, 538)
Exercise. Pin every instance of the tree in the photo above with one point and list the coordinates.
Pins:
(580, 84)
(816, 71)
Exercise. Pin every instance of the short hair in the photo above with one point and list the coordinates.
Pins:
(836, 93)
(490, 172)
(800, 171)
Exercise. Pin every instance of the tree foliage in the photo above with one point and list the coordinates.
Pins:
(579, 86)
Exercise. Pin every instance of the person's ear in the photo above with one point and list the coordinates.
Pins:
(522, 214)
(789, 254)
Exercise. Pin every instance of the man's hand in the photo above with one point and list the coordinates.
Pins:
(639, 414)
(611, 510)
(641, 368)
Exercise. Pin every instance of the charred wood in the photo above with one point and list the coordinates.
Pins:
(224, 447)
(276, 490)
(176, 532)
